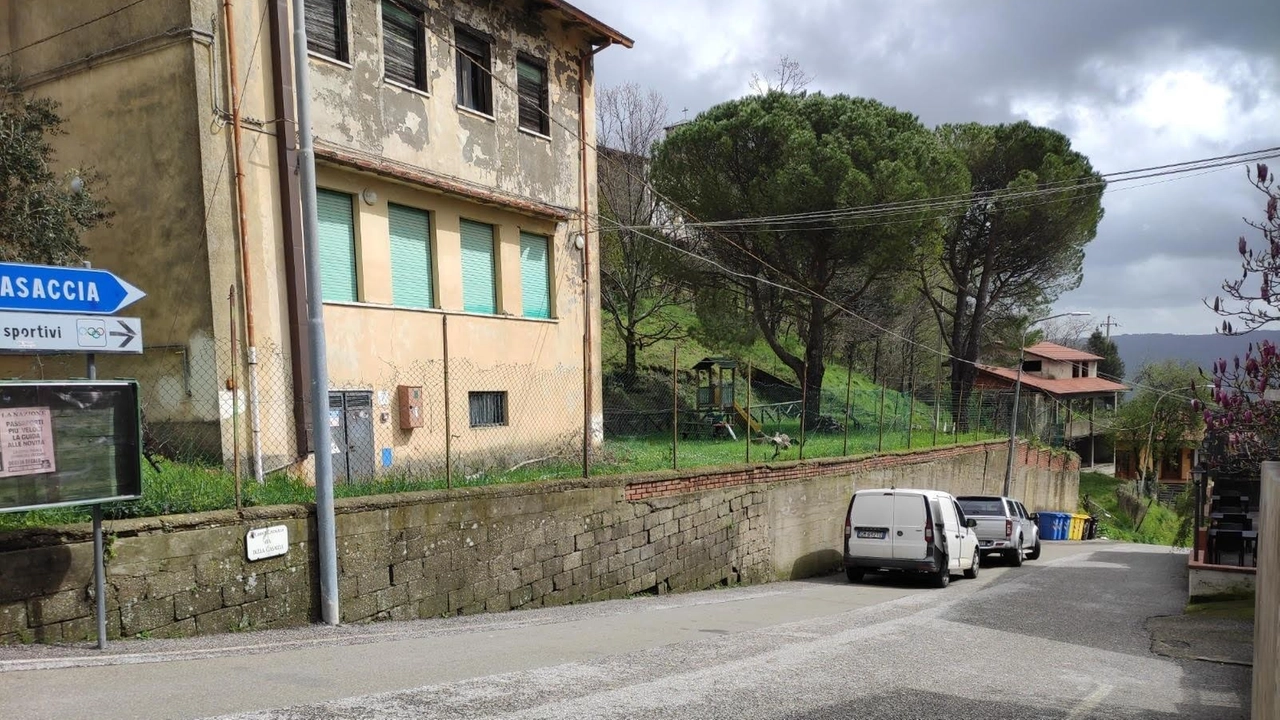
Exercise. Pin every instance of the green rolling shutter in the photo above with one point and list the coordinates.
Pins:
(535, 290)
(410, 232)
(337, 247)
(478, 294)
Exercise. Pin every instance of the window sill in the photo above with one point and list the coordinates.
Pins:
(493, 426)
(406, 88)
(468, 111)
(438, 311)
(535, 134)
(312, 54)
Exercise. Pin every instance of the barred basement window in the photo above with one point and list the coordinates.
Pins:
(488, 408)
(404, 45)
(531, 84)
(474, 66)
(327, 28)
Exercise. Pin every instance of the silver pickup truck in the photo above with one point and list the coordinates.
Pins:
(1004, 527)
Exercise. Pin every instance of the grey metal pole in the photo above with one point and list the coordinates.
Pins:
(325, 531)
(99, 577)
(1013, 419)
(99, 559)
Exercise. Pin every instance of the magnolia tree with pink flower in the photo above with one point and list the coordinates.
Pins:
(1253, 300)
(1243, 426)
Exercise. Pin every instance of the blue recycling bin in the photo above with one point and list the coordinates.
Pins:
(1063, 529)
(1046, 523)
(1054, 525)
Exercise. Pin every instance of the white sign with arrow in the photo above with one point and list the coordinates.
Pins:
(44, 332)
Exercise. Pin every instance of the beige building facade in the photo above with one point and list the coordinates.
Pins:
(456, 188)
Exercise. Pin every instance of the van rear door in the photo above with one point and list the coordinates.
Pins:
(870, 518)
(910, 515)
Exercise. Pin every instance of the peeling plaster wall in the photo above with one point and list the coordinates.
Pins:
(356, 108)
(147, 98)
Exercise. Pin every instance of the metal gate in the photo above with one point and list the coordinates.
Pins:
(351, 423)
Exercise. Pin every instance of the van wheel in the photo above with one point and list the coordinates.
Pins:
(1014, 557)
(854, 574)
(972, 572)
(1035, 551)
(942, 578)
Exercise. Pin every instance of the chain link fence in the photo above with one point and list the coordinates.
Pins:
(458, 422)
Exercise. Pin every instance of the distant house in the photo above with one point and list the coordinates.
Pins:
(1062, 393)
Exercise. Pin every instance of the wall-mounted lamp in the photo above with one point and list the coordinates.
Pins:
(369, 196)
(579, 241)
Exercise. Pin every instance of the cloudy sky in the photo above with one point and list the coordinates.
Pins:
(1134, 83)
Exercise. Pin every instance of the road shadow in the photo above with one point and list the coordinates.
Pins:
(816, 564)
(1102, 602)
(911, 704)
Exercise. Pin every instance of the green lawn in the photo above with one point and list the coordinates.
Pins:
(1159, 527)
(180, 488)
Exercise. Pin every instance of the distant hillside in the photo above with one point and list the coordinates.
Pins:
(1202, 350)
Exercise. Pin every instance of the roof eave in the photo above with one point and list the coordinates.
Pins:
(606, 35)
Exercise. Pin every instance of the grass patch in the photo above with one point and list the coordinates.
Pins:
(1159, 527)
(1236, 608)
(181, 488)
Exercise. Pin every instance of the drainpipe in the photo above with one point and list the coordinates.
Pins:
(291, 222)
(587, 309)
(245, 274)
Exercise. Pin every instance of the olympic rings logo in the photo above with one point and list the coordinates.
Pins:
(95, 333)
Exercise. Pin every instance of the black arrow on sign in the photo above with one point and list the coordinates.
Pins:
(128, 333)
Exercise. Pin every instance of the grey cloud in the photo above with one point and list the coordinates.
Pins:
(969, 61)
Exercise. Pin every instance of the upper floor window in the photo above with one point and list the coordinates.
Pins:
(337, 240)
(531, 83)
(404, 46)
(535, 276)
(479, 268)
(409, 230)
(474, 65)
(327, 28)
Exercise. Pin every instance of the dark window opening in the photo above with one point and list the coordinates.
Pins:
(404, 46)
(474, 65)
(327, 28)
(488, 408)
(531, 77)
(1031, 365)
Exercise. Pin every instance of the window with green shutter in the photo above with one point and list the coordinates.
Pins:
(478, 277)
(337, 238)
(410, 234)
(404, 54)
(531, 86)
(535, 276)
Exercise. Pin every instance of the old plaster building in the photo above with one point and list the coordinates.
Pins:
(456, 192)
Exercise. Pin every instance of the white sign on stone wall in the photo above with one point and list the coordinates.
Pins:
(267, 542)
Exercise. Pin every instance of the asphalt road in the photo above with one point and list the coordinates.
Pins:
(1061, 637)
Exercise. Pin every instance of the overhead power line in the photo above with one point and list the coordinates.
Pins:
(71, 29)
(1203, 165)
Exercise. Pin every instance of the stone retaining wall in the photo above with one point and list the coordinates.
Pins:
(419, 555)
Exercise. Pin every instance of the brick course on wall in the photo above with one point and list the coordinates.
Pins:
(421, 555)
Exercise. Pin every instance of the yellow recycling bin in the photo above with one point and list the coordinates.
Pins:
(1077, 527)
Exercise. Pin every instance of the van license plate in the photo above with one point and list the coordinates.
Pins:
(872, 534)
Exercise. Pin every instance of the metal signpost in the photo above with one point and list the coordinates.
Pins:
(53, 309)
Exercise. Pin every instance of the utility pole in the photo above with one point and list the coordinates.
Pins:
(1108, 325)
(326, 535)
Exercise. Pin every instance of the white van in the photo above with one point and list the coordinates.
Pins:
(917, 530)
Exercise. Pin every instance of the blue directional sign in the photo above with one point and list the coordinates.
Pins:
(53, 289)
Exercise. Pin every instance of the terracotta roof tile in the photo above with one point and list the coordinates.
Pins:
(1053, 351)
(1064, 386)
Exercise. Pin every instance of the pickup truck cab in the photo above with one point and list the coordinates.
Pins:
(921, 531)
(1004, 527)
